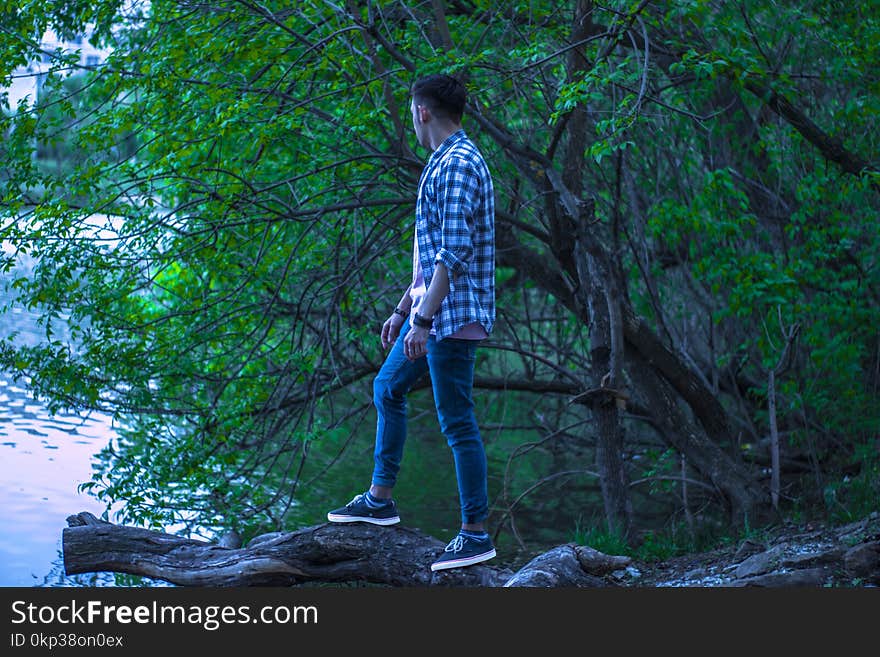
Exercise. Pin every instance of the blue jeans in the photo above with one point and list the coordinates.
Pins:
(450, 363)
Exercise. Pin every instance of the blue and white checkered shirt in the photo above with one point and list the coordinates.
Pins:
(455, 225)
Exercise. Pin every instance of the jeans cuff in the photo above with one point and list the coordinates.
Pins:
(473, 520)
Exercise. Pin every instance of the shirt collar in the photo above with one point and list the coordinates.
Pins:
(448, 142)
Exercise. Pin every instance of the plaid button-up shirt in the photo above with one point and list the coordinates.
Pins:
(455, 225)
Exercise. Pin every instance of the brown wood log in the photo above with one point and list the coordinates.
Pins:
(328, 553)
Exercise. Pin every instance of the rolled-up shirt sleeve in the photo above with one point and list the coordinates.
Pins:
(460, 187)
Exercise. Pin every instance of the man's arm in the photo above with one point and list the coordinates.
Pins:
(405, 303)
(391, 327)
(416, 341)
(436, 292)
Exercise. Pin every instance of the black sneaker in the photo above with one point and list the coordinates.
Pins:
(359, 511)
(465, 550)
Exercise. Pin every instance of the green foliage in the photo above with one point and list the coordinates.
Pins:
(205, 311)
(658, 547)
(856, 496)
(602, 541)
(653, 545)
(220, 216)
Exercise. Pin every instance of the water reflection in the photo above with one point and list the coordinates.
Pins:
(43, 459)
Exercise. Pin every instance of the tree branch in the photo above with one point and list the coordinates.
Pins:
(830, 147)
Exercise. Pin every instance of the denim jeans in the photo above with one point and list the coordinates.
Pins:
(450, 363)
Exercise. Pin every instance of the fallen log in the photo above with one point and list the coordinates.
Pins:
(328, 553)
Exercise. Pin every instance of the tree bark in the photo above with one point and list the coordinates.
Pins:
(606, 347)
(328, 553)
(743, 494)
(588, 260)
(610, 440)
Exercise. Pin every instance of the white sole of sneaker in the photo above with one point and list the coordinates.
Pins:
(373, 521)
(460, 563)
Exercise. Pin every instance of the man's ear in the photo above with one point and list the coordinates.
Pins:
(424, 114)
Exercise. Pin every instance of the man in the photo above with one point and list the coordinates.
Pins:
(448, 308)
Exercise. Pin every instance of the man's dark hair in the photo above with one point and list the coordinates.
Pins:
(444, 95)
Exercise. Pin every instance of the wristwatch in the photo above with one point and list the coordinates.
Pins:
(422, 322)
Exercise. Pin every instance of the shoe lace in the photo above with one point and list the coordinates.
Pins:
(357, 498)
(456, 544)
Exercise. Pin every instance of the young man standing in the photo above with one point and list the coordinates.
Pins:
(448, 308)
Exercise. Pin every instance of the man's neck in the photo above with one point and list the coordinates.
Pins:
(443, 133)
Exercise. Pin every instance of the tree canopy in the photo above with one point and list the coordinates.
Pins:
(688, 288)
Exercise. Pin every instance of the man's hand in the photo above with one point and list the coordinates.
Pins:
(391, 329)
(415, 344)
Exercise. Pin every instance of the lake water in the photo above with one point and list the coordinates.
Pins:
(43, 459)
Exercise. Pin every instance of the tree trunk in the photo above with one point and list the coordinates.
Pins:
(609, 453)
(606, 347)
(328, 553)
(742, 493)
(774, 440)
(588, 261)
